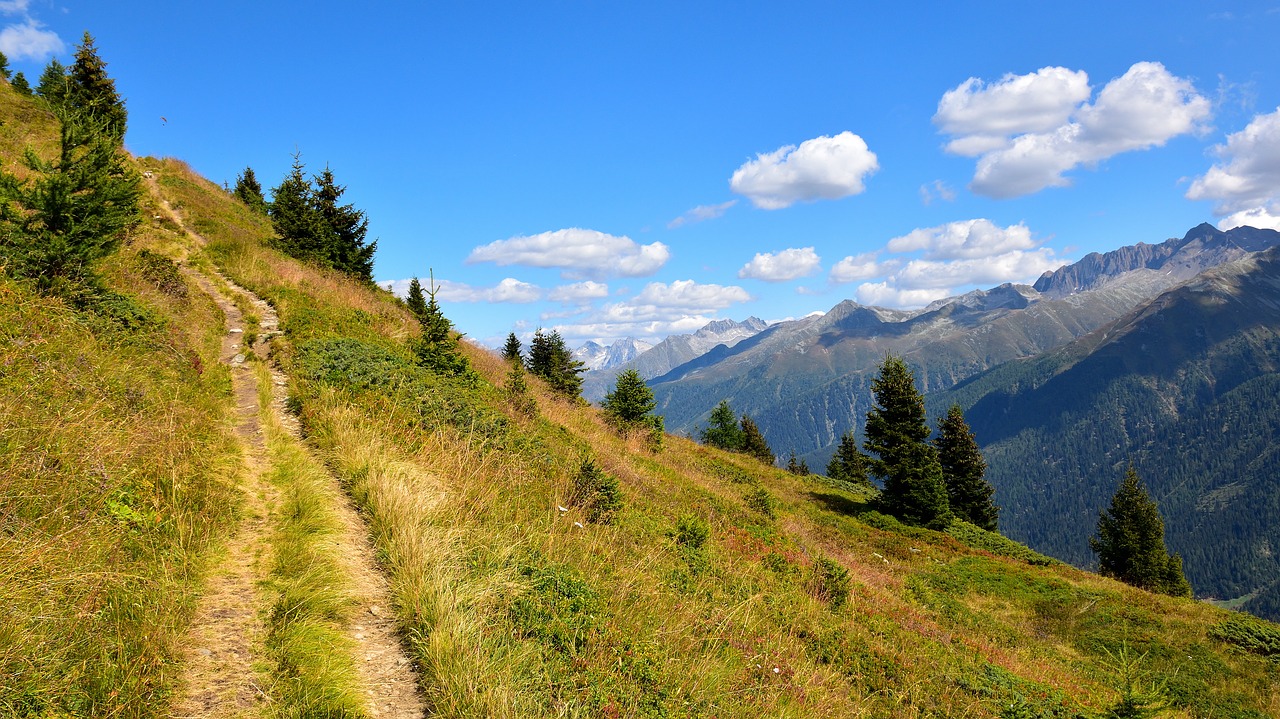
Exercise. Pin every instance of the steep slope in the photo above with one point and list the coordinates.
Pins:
(671, 352)
(719, 587)
(1187, 388)
(806, 382)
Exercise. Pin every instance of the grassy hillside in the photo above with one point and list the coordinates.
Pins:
(721, 588)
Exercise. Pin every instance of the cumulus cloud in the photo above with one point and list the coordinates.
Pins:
(964, 239)
(577, 253)
(579, 292)
(862, 267)
(29, 40)
(788, 264)
(983, 117)
(1260, 217)
(946, 259)
(508, 290)
(824, 168)
(657, 310)
(1246, 181)
(701, 213)
(1024, 150)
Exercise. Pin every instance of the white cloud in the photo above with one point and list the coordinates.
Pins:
(1025, 152)
(1248, 175)
(1260, 217)
(577, 252)
(964, 239)
(14, 7)
(579, 292)
(862, 267)
(701, 213)
(788, 264)
(29, 41)
(984, 116)
(936, 190)
(1015, 266)
(508, 290)
(824, 168)
(884, 295)
(689, 296)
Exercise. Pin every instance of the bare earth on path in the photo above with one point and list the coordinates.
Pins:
(226, 636)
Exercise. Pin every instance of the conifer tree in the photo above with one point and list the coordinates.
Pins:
(1130, 542)
(848, 464)
(722, 429)
(4, 66)
(416, 301)
(631, 400)
(551, 360)
(69, 212)
(53, 84)
(343, 229)
(511, 350)
(963, 468)
(896, 434)
(797, 466)
(250, 191)
(92, 93)
(292, 217)
(20, 84)
(753, 442)
(437, 349)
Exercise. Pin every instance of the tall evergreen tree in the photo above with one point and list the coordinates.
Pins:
(631, 400)
(437, 348)
(551, 360)
(962, 470)
(53, 84)
(722, 428)
(848, 463)
(20, 84)
(511, 350)
(292, 215)
(250, 191)
(92, 93)
(753, 442)
(69, 212)
(896, 434)
(343, 229)
(1130, 542)
(416, 301)
(4, 66)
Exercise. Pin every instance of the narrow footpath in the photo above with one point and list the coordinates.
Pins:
(226, 637)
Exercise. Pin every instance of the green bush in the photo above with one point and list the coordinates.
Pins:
(829, 582)
(762, 501)
(596, 491)
(691, 531)
(1250, 634)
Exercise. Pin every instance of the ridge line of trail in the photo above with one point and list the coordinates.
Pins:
(386, 676)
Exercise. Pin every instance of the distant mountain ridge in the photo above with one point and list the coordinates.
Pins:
(596, 356)
(671, 352)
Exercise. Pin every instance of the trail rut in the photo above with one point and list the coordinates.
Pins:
(226, 636)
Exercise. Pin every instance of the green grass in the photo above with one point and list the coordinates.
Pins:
(714, 589)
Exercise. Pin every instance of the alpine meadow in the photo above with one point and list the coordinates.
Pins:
(244, 474)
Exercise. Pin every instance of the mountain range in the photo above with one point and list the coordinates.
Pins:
(1036, 369)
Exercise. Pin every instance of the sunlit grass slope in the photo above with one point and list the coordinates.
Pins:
(722, 587)
(116, 465)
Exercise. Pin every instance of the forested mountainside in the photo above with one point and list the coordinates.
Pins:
(1187, 389)
(806, 382)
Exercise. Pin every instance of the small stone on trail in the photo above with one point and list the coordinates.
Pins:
(375, 610)
(234, 330)
(238, 359)
(204, 652)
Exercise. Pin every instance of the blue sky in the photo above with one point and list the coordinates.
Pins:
(615, 169)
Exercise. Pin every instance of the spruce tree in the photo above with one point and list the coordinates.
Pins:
(722, 429)
(92, 93)
(250, 191)
(20, 84)
(437, 348)
(68, 212)
(53, 84)
(551, 360)
(1130, 542)
(4, 66)
(416, 301)
(962, 470)
(797, 466)
(848, 464)
(511, 350)
(631, 400)
(293, 217)
(343, 229)
(896, 434)
(753, 442)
